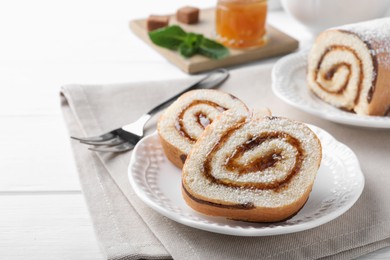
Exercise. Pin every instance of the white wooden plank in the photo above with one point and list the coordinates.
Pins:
(46, 226)
(32, 88)
(35, 154)
(73, 31)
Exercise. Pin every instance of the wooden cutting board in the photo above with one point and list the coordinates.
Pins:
(278, 43)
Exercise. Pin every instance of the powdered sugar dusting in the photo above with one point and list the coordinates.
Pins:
(374, 31)
(194, 169)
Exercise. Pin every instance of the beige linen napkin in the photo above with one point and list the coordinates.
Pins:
(128, 229)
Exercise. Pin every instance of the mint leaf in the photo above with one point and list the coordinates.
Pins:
(212, 49)
(190, 45)
(169, 37)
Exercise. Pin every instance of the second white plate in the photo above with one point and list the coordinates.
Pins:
(337, 187)
(289, 84)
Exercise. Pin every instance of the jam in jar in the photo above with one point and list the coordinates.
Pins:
(241, 23)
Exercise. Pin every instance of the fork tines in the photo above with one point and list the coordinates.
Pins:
(109, 142)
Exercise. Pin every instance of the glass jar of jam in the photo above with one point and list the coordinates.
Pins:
(241, 23)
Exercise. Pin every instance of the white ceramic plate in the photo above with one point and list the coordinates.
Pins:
(338, 185)
(289, 84)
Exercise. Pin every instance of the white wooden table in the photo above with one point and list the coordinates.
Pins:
(45, 44)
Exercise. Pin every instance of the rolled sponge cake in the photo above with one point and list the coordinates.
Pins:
(349, 67)
(252, 168)
(184, 120)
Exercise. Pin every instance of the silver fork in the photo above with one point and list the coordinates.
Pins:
(126, 137)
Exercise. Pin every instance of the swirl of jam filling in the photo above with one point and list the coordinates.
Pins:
(329, 74)
(256, 165)
(202, 119)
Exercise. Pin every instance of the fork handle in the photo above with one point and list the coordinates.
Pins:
(211, 80)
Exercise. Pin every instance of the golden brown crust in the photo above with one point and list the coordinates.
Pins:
(175, 155)
(379, 95)
(256, 214)
(380, 102)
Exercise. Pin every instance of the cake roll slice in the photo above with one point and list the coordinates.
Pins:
(251, 168)
(183, 122)
(349, 67)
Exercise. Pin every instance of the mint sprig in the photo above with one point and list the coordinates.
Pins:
(212, 49)
(188, 44)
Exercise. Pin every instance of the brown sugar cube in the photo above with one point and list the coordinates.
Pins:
(156, 21)
(188, 15)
